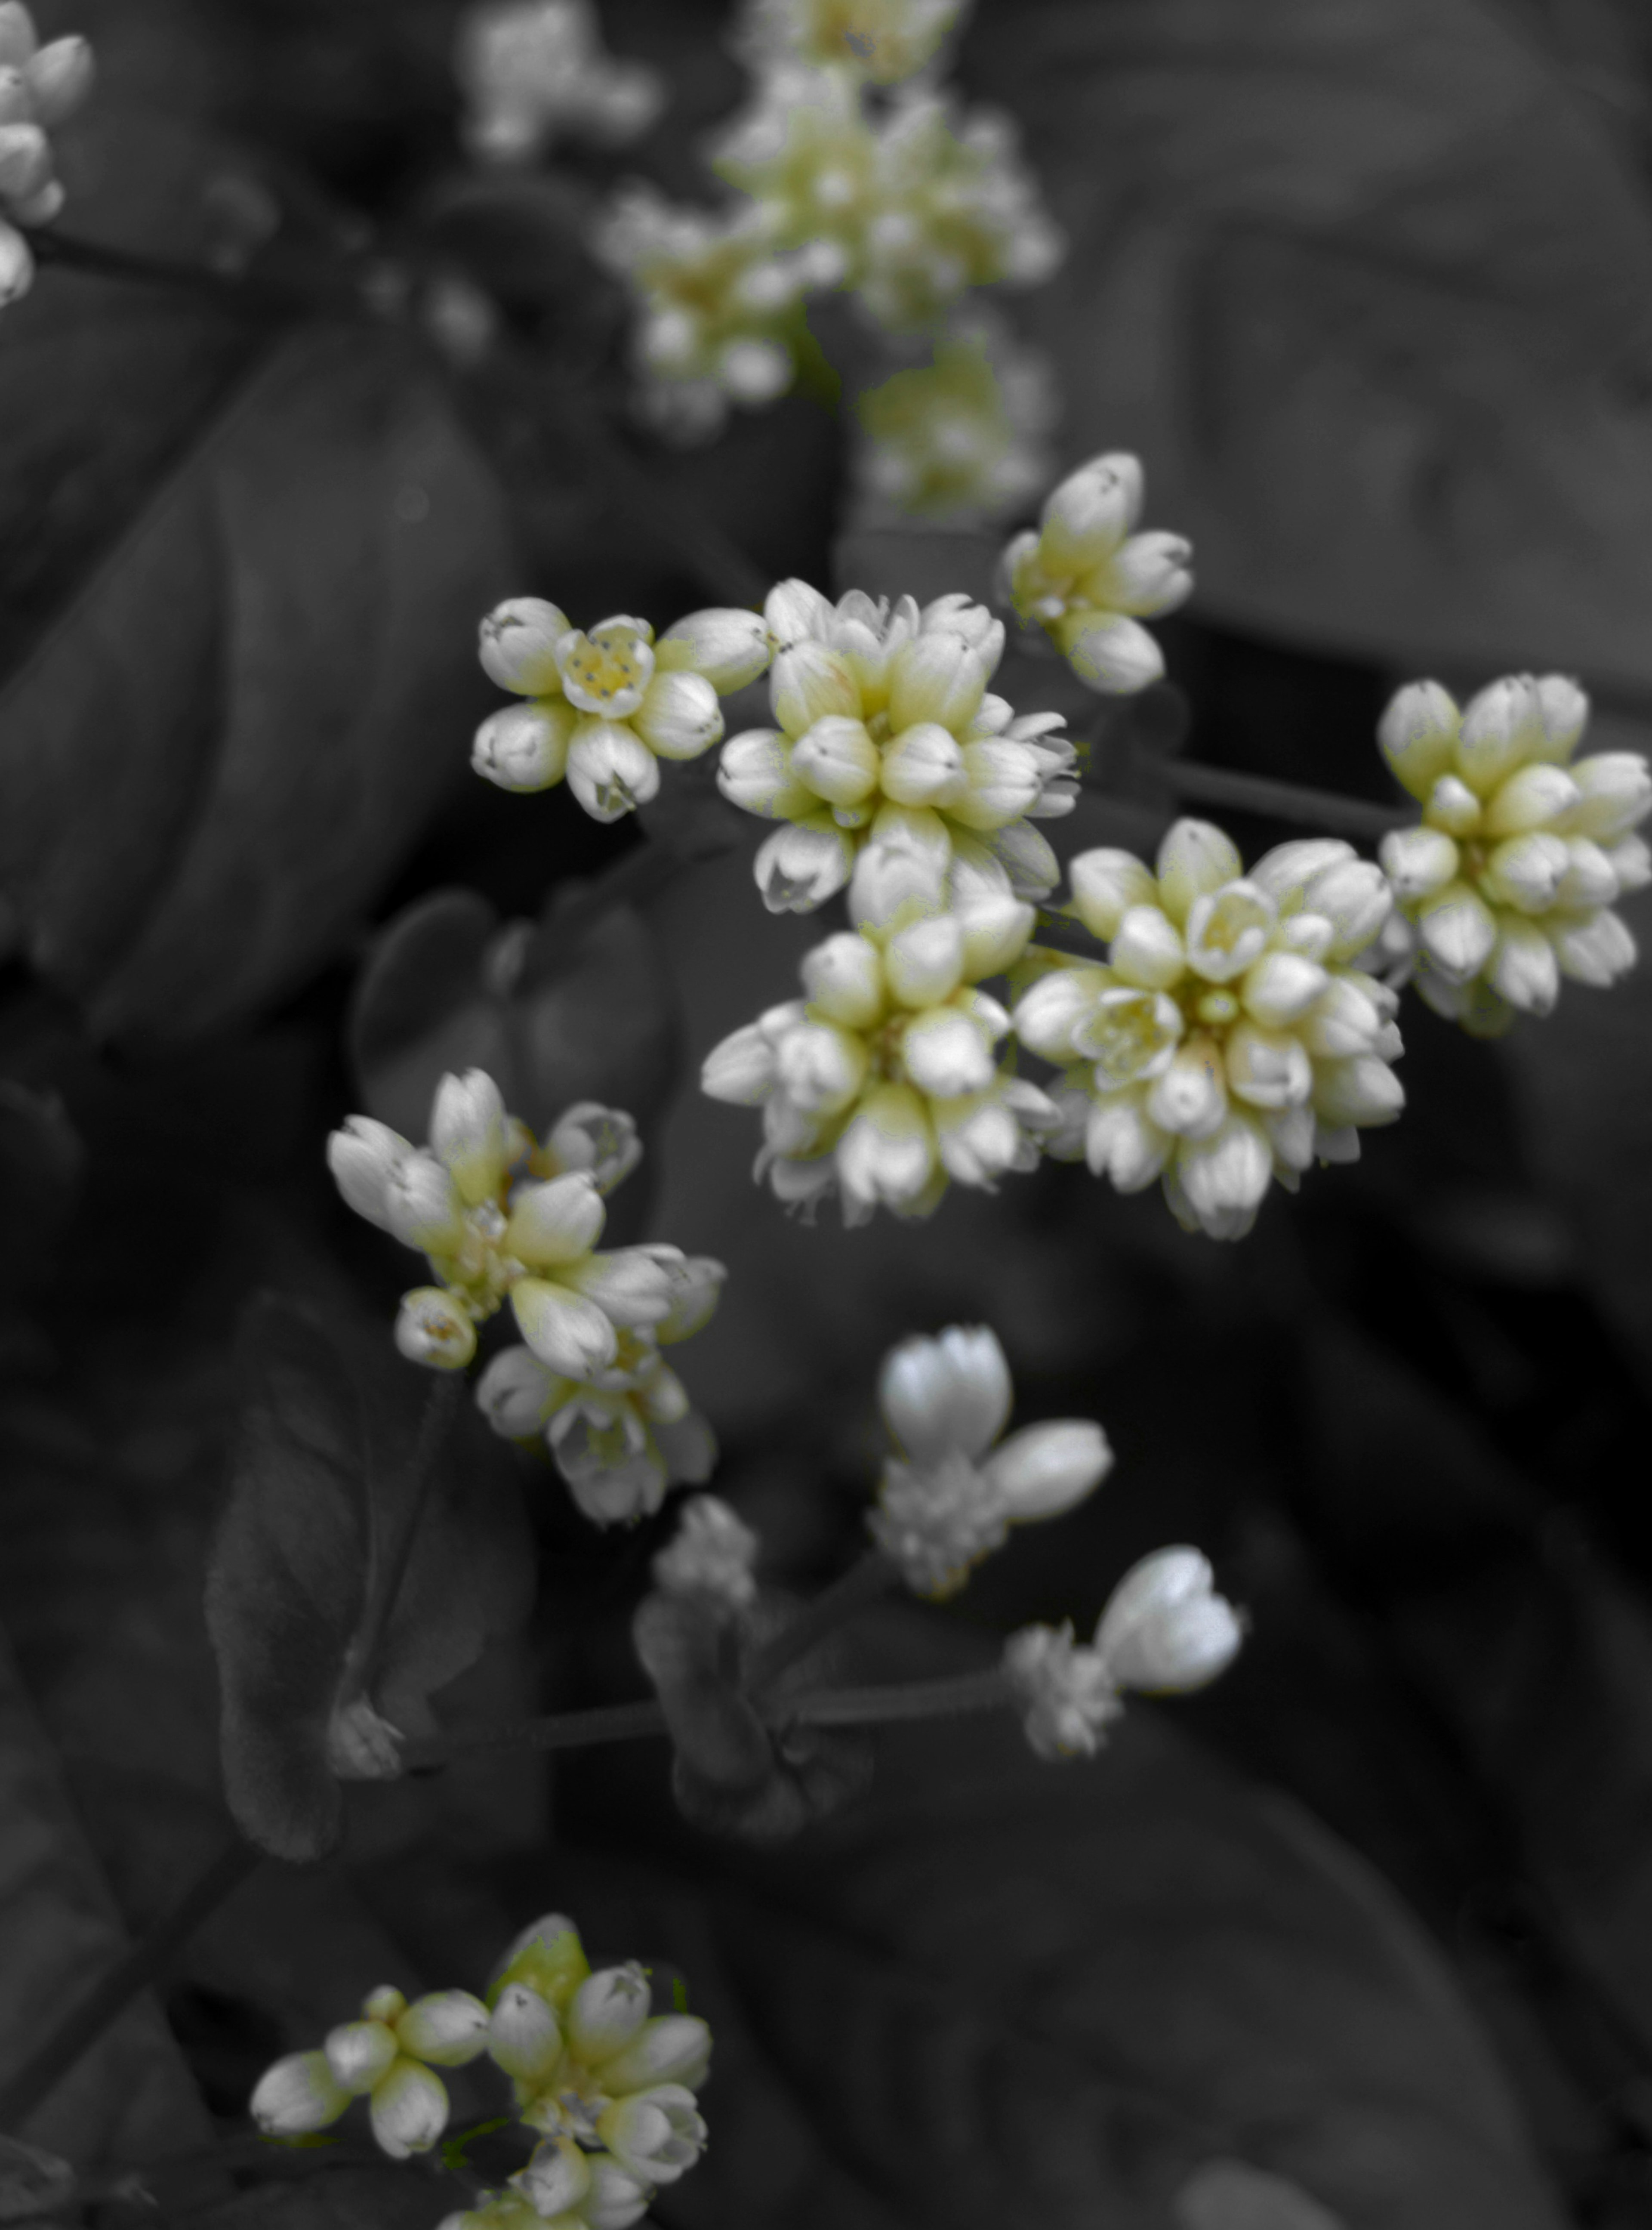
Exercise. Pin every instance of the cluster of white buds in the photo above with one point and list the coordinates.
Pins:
(1510, 876)
(624, 1435)
(713, 1554)
(880, 41)
(388, 2057)
(1087, 579)
(40, 87)
(889, 736)
(532, 71)
(499, 1215)
(1229, 1038)
(961, 438)
(951, 1498)
(604, 708)
(1165, 1631)
(716, 306)
(610, 2086)
(885, 1081)
(917, 202)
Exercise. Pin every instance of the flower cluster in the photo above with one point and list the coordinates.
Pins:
(713, 1554)
(919, 201)
(608, 2085)
(1087, 579)
(1229, 1040)
(624, 1435)
(1510, 875)
(960, 438)
(40, 86)
(889, 736)
(951, 1496)
(885, 1081)
(881, 41)
(1165, 1631)
(498, 1215)
(531, 70)
(605, 707)
(717, 306)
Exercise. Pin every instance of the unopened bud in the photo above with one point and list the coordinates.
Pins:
(607, 2012)
(298, 2095)
(410, 2110)
(59, 79)
(446, 2028)
(435, 1329)
(524, 2037)
(729, 648)
(1164, 1627)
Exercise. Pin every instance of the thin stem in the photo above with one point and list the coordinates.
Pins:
(852, 1592)
(84, 2023)
(608, 1723)
(1284, 801)
(258, 296)
(441, 1403)
(915, 1699)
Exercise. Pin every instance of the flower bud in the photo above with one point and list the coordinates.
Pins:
(609, 2010)
(467, 1133)
(59, 79)
(25, 161)
(924, 765)
(1564, 709)
(812, 682)
(1596, 952)
(1363, 1090)
(729, 648)
(421, 1205)
(518, 647)
(524, 2036)
(610, 770)
(1418, 861)
(298, 2095)
(845, 978)
(1418, 735)
(1196, 859)
(1503, 727)
(548, 1957)
(514, 1394)
(1147, 950)
(556, 1222)
(1150, 574)
(1589, 878)
(995, 929)
(886, 1156)
(794, 612)
(958, 613)
(892, 884)
(1090, 513)
(632, 1286)
(657, 2134)
(1267, 1068)
(1106, 884)
(17, 265)
(1046, 1469)
(923, 963)
(434, 1328)
(755, 772)
(1615, 793)
(360, 2054)
(1229, 929)
(1282, 988)
(935, 678)
(523, 748)
(1527, 871)
(1457, 931)
(1004, 780)
(597, 1142)
(556, 2180)
(1532, 797)
(743, 1069)
(1524, 969)
(946, 1055)
(951, 1392)
(821, 1067)
(679, 717)
(836, 760)
(17, 37)
(447, 2028)
(1190, 1097)
(1165, 1629)
(1355, 897)
(409, 2110)
(801, 867)
(565, 1330)
(697, 1285)
(1454, 807)
(1109, 652)
(671, 2048)
(616, 2198)
(362, 1157)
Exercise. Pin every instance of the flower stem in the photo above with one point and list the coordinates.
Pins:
(915, 1699)
(1283, 801)
(255, 297)
(850, 1592)
(85, 2022)
(560, 1731)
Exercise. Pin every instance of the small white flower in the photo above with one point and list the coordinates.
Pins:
(1165, 1629)
(712, 1554)
(534, 70)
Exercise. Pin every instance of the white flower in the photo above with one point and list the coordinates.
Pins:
(532, 70)
(1087, 579)
(888, 1082)
(607, 706)
(881, 41)
(40, 87)
(712, 1554)
(1509, 880)
(385, 2057)
(952, 1501)
(1229, 1040)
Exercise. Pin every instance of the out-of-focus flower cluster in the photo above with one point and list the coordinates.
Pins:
(41, 87)
(961, 437)
(1165, 1631)
(888, 739)
(534, 71)
(950, 1497)
(603, 708)
(608, 2085)
(1509, 878)
(883, 42)
(1229, 1038)
(501, 1216)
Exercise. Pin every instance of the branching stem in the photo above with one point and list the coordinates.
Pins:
(608, 1723)
(913, 1699)
(1283, 801)
(851, 1593)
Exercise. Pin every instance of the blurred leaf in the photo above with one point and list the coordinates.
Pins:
(1387, 364)
(1010, 1995)
(324, 1483)
(40, 1161)
(1228, 2195)
(386, 2198)
(552, 1018)
(131, 2098)
(285, 630)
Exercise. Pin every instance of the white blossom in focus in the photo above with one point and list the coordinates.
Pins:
(1165, 1631)
(499, 1216)
(388, 2057)
(532, 71)
(961, 438)
(603, 708)
(41, 87)
(1509, 880)
(1230, 1038)
(951, 1496)
(1087, 579)
(887, 1084)
(888, 737)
